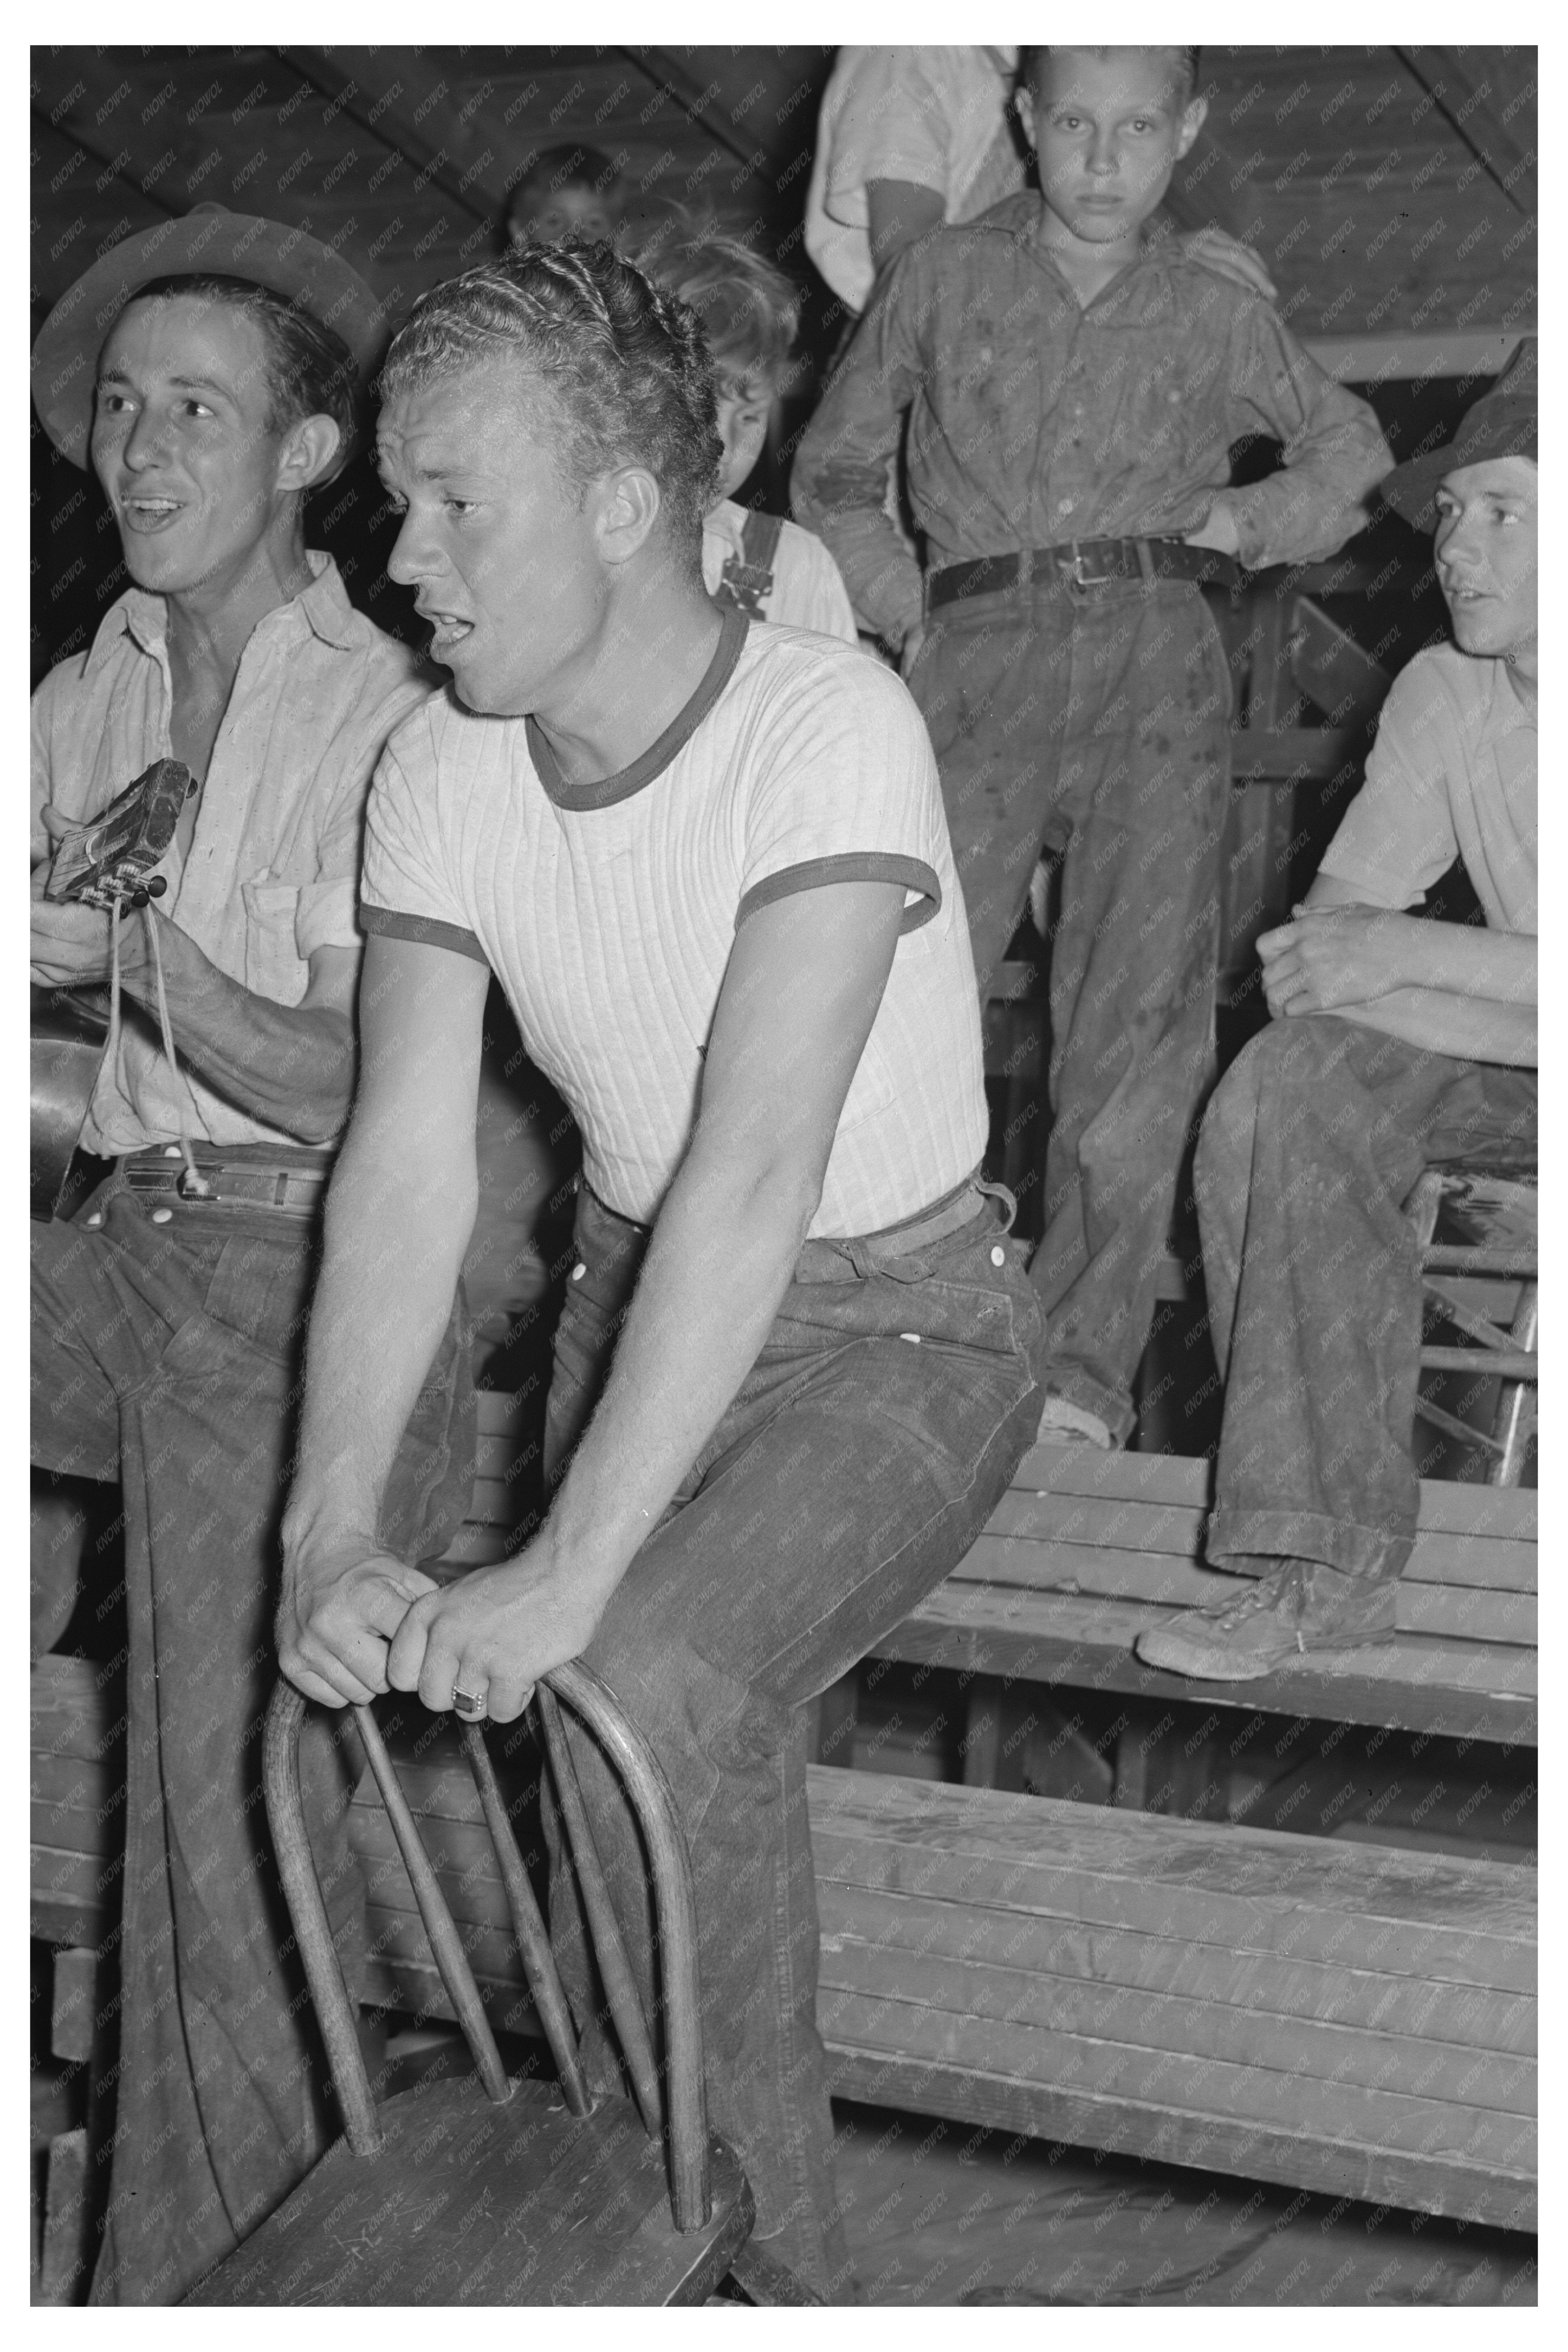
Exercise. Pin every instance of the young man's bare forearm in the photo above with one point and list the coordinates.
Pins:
(397, 1232)
(1469, 1028)
(1464, 961)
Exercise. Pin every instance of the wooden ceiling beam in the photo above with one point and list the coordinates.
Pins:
(68, 127)
(1463, 100)
(373, 86)
(683, 90)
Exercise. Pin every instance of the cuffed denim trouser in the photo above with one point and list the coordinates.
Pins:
(867, 1447)
(167, 1356)
(1095, 720)
(1314, 1138)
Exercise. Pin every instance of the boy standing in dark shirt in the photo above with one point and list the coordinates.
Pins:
(1073, 390)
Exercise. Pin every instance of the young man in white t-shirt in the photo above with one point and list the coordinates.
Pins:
(1396, 1044)
(707, 858)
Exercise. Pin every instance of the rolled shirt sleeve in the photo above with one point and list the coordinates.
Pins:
(1335, 454)
(403, 890)
(846, 792)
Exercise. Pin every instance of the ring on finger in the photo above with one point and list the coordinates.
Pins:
(469, 1704)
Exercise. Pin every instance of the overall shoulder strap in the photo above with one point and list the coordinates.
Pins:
(748, 578)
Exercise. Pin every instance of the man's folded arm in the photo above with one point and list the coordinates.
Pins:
(1467, 960)
(1454, 988)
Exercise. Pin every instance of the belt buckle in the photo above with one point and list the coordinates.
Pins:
(1074, 571)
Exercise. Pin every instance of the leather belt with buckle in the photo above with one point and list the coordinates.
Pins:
(1082, 563)
(293, 1185)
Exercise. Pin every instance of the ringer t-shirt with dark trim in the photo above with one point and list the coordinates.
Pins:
(608, 910)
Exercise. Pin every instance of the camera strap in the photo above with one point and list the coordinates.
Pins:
(193, 1185)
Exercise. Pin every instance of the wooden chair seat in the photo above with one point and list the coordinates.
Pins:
(467, 2201)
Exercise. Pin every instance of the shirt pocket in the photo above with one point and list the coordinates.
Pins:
(1174, 414)
(273, 967)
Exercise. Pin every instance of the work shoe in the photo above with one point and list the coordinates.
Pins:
(1300, 1606)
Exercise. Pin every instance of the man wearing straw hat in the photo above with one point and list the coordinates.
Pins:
(208, 372)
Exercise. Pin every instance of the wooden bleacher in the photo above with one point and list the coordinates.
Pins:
(1087, 1548)
(1335, 2016)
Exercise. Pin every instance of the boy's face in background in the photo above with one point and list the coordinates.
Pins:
(548, 215)
(1107, 133)
(743, 408)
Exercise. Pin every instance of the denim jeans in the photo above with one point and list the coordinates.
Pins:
(166, 1356)
(1095, 722)
(864, 1452)
(1314, 1138)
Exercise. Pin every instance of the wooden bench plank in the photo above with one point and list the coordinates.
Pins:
(1476, 2017)
(1169, 1580)
(1417, 1659)
(1504, 2197)
(1441, 1555)
(1335, 2111)
(966, 1970)
(1473, 1921)
(1464, 1690)
(978, 1988)
(1447, 1505)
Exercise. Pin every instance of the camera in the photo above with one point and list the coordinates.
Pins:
(105, 862)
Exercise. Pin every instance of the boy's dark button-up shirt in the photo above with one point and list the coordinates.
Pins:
(1034, 420)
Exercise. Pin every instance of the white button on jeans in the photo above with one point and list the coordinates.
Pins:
(96, 1218)
(998, 1255)
(161, 1216)
(578, 1271)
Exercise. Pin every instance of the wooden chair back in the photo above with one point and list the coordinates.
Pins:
(680, 2108)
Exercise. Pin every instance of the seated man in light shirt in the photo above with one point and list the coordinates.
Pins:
(195, 368)
(1395, 1044)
